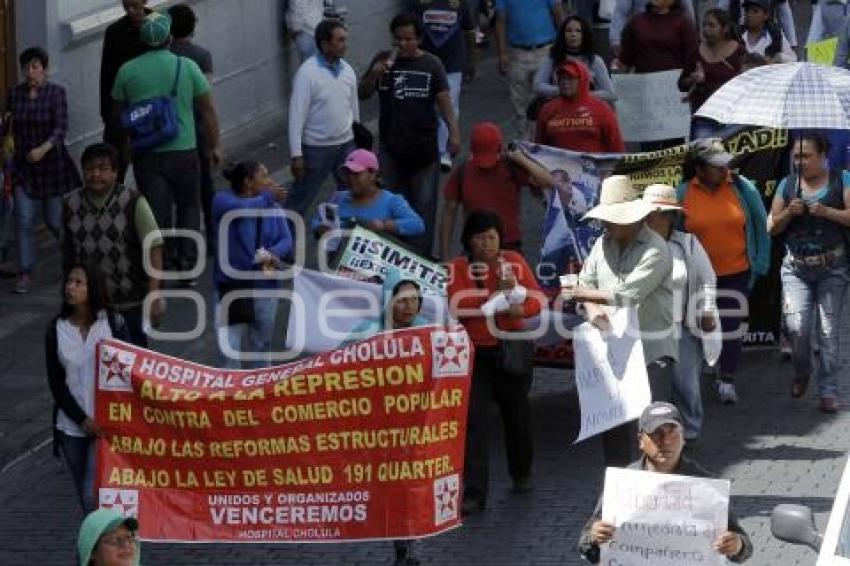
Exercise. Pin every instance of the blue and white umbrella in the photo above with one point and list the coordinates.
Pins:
(792, 96)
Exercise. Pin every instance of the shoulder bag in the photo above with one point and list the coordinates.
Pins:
(152, 122)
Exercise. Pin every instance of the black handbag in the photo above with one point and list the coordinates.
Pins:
(517, 357)
(241, 310)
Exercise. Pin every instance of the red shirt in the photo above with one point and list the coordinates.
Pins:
(658, 42)
(465, 295)
(586, 125)
(495, 189)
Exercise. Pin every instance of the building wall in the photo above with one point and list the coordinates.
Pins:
(252, 66)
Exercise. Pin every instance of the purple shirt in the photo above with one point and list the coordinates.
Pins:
(37, 120)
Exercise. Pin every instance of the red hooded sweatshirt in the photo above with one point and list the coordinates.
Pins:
(582, 123)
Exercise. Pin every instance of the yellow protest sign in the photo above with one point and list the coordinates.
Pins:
(822, 52)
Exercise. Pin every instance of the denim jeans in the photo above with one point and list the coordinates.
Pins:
(809, 292)
(259, 334)
(168, 179)
(686, 384)
(419, 186)
(730, 355)
(5, 224)
(134, 319)
(26, 211)
(79, 454)
(319, 162)
(455, 81)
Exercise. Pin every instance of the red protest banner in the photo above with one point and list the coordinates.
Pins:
(366, 441)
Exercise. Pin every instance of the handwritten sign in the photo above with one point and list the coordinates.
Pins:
(366, 441)
(611, 378)
(650, 107)
(822, 52)
(663, 519)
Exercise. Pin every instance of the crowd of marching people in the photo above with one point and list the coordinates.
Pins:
(711, 234)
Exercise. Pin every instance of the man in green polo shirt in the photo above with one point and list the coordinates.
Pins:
(107, 223)
(630, 266)
(170, 173)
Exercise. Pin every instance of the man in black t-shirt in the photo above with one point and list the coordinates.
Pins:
(449, 34)
(412, 87)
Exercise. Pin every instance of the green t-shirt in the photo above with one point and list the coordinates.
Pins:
(151, 75)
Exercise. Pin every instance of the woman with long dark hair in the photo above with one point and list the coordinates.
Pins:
(574, 42)
(717, 60)
(86, 318)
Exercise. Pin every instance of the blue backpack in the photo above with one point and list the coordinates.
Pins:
(152, 122)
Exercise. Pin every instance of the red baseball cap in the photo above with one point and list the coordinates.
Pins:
(486, 144)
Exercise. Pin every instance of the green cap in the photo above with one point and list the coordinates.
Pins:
(156, 29)
(96, 524)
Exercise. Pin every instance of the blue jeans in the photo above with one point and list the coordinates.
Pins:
(455, 81)
(5, 223)
(686, 384)
(26, 211)
(79, 454)
(809, 292)
(259, 333)
(319, 162)
(418, 185)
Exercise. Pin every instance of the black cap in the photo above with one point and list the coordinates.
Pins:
(658, 414)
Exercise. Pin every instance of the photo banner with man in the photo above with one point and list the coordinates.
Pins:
(363, 442)
(760, 155)
(663, 519)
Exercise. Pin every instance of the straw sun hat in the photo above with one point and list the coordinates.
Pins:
(619, 203)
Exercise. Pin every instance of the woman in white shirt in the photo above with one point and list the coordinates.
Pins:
(694, 288)
(84, 320)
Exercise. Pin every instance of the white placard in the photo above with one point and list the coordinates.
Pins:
(650, 107)
(611, 378)
(663, 519)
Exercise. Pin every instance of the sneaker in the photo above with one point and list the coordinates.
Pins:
(22, 285)
(445, 163)
(727, 393)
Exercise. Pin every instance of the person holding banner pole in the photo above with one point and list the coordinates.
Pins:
(630, 266)
(491, 291)
(811, 212)
(725, 212)
(661, 442)
(491, 180)
(85, 319)
(694, 287)
(401, 303)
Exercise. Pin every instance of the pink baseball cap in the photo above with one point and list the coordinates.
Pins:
(361, 160)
